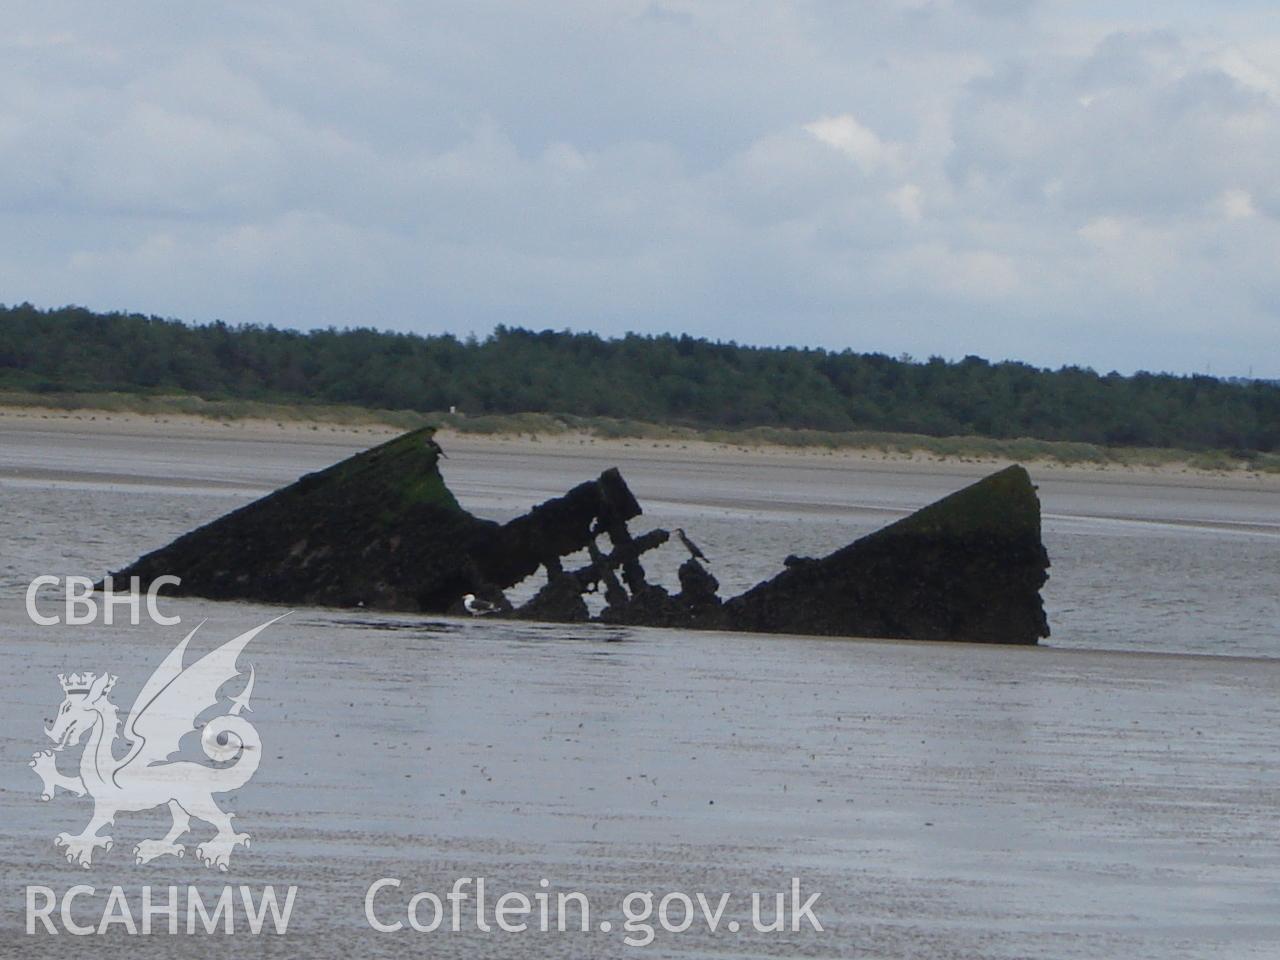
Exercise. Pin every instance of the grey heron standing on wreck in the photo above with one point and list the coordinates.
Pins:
(690, 546)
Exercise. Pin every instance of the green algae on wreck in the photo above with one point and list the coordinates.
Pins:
(968, 567)
(373, 530)
(379, 530)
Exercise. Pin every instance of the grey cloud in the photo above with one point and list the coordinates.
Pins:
(984, 181)
(1126, 58)
(1000, 8)
(1157, 142)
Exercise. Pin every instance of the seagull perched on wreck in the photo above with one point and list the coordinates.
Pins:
(477, 607)
(690, 546)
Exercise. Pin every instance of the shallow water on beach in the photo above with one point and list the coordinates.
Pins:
(1137, 564)
(949, 802)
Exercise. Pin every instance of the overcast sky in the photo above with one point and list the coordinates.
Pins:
(1094, 183)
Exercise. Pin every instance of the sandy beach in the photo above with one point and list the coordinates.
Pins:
(359, 435)
(947, 801)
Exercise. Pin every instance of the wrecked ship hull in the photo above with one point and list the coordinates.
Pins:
(968, 567)
(382, 531)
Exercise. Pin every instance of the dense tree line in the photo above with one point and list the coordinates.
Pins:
(666, 379)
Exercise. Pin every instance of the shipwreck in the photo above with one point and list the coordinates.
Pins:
(382, 531)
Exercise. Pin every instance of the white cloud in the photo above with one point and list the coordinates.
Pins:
(973, 275)
(858, 142)
(908, 200)
(1237, 204)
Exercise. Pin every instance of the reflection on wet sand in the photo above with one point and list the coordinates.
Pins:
(949, 801)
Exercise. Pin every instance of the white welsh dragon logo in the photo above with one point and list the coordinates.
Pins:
(165, 711)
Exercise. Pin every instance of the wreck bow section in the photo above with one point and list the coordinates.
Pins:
(380, 530)
(969, 567)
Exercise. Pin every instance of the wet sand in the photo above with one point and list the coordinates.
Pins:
(179, 429)
(948, 801)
